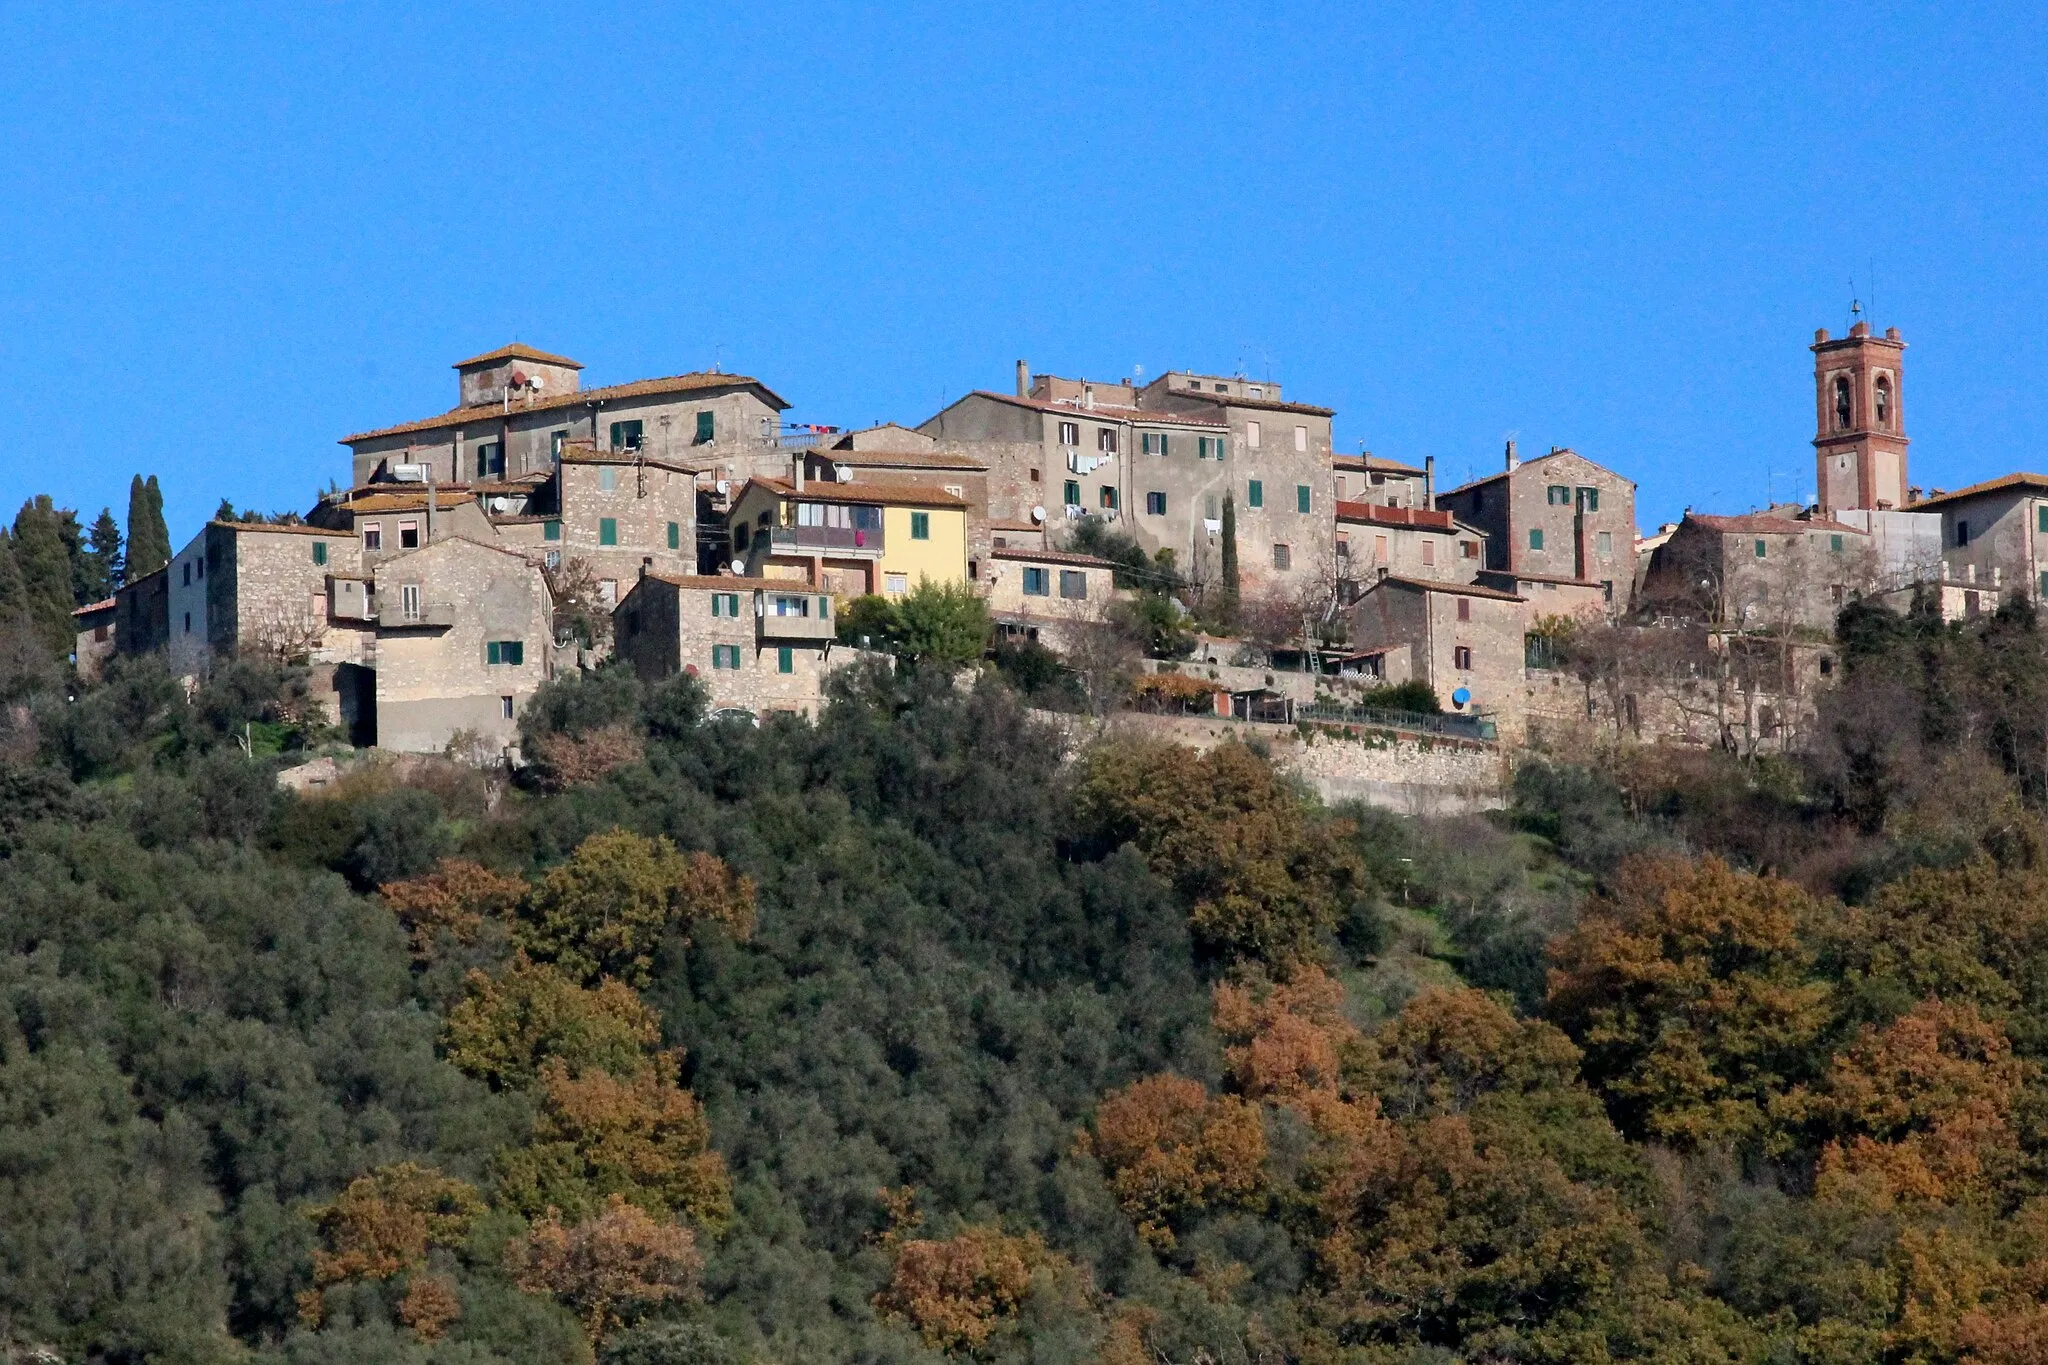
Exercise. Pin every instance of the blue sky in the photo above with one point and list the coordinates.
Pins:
(228, 237)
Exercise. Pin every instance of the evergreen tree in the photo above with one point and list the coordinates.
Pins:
(1228, 599)
(13, 594)
(149, 540)
(73, 535)
(45, 565)
(103, 571)
(226, 511)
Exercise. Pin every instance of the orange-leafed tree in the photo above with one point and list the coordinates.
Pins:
(429, 1306)
(610, 1266)
(1691, 991)
(1168, 1148)
(454, 901)
(384, 1223)
(507, 1025)
(641, 1137)
(1263, 877)
(606, 908)
(959, 1292)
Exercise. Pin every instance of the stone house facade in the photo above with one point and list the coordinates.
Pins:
(463, 638)
(239, 587)
(849, 538)
(1408, 542)
(756, 647)
(891, 454)
(1994, 535)
(619, 514)
(1559, 515)
(1382, 482)
(1046, 595)
(389, 519)
(1761, 571)
(1451, 636)
(93, 626)
(517, 407)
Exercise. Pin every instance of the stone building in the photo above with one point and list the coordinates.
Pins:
(463, 637)
(94, 626)
(1382, 482)
(757, 647)
(388, 519)
(1765, 571)
(517, 407)
(1550, 595)
(1408, 542)
(1994, 535)
(1859, 439)
(1048, 596)
(890, 454)
(1559, 515)
(1456, 637)
(849, 538)
(239, 587)
(1161, 461)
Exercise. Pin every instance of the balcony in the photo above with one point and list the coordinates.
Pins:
(423, 616)
(812, 629)
(824, 540)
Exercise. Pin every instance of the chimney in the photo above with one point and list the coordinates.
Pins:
(1512, 461)
(1023, 380)
(798, 462)
(1429, 481)
(1088, 397)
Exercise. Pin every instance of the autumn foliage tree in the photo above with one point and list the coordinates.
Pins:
(455, 900)
(607, 1268)
(606, 908)
(1168, 1147)
(383, 1224)
(959, 1292)
(508, 1025)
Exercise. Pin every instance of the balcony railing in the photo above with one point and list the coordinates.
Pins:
(838, 540)
(1477, 728)
(422, 616)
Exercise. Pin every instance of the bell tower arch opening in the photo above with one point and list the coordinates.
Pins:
(1860, 429)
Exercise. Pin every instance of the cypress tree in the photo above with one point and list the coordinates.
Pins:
(1227, 597)
(45, 566)
(103, 556)
(13, 594)
(149, 540)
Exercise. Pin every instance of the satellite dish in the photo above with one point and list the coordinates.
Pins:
(739, 568)
(534, 383)
(1461, 696)
(1038, 514)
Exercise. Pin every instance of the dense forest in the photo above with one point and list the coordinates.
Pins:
(930, 1030)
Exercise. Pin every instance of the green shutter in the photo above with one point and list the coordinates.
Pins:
(2041, 518)
(551, 530)
(1255, 493)
(608, 532)
(785, 660)
(1760, 549)
(319, 552)
(920, 526)
(493, 653)
(1301, 497)
(675, 536)
(1536, 538)
(706, 427)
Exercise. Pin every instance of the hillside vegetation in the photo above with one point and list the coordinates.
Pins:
(909, 1035)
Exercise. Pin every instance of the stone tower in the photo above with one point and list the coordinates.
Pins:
(1860, 419)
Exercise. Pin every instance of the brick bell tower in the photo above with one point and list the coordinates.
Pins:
(1859, 397)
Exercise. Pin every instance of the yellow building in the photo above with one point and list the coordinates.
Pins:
(849, 538)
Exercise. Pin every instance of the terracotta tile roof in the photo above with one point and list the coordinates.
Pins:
(1532, 461)
(403, 502)
(1375, 464)
(478, 413)
(1519, 576)
(266, 528)
(1763, 524)
(1016, 526)
(1052, 557)
(395, 560)
(591, 455)
(1104, 412)
(518, 350)
(1233, 400)
(1394, 516)
(1454, 589)
(104, 604)
(908, 459)
(1997, 485)
(723, 582)
(818, 490)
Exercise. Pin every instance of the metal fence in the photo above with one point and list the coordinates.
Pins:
(1476, 728)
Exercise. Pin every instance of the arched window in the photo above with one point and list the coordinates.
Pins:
(1842, 403)
(1884, 401)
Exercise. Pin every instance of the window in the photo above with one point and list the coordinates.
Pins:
(1252, 435)
(373, 537)
(1379, 550)
(824, 608)
(1834, 544)
(1073, 585)
(1340, 488)
(1255, 494)
(1962, 534)
(675, 536)
(920, 526)
(505, 708)
(1036, 476)
(1604, 542)
(1153, 442)
(1761, 549)
(2044, 583)
(2041, 519)
(1283, 557)
(510, 652)
(408, 535)
(1461, 658)
(556, 439)
(1464, 609)
(1105, 440)
(1884, 401)
(1301, 438)
(551, 530)
(725, 604)
(895, 584)
(409, 601)
(553, 559)
(607, 479)
(188, 573)
(707, 427)
(626, 435)
(1842, 403)
(792, 606)
(319, 552)
(785, 660)
(725, 656)
(1536, 537)
(1468, 549)
(1107, 497)
(1070, 433)
(608, 531)
(1205, 446)
(1301, 498)
(1343, 546)
(1155, 504)
(1429, 553)
(1072, 492)
(490, 459)
(1035, 584)
(188, 623)
(1589, 499)
(1559, 495)
(1209, 506)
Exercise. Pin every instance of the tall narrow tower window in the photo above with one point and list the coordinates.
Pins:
(1884, 402)
(1842, 403)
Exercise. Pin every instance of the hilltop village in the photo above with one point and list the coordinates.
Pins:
(1196, 543)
